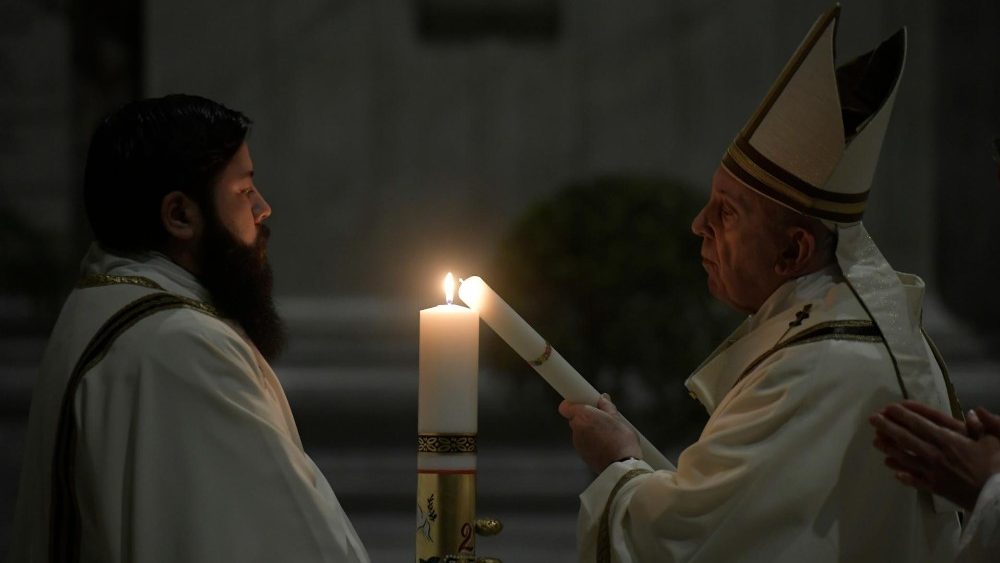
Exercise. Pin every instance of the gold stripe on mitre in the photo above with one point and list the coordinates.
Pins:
(756, 172)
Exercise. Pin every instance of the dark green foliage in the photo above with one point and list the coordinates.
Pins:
(609, 272)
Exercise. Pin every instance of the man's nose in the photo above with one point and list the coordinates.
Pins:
(698, 225)
(261, 209)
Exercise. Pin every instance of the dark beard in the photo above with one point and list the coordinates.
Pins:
(239, 279)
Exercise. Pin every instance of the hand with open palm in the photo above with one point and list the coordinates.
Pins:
(932, 451)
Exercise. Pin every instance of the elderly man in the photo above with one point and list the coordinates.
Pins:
(783, 470)
(158, 431)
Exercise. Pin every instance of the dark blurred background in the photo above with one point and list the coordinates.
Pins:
(557, 148)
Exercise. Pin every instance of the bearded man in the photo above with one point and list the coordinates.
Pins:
(158, 431)
(783, 471)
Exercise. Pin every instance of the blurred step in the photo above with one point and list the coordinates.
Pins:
(349, 331)
(957, 341)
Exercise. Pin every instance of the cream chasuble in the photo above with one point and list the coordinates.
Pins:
(784, 470)
(185, 446)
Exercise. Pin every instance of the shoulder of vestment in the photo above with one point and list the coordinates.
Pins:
(836, 314)
(146, 321)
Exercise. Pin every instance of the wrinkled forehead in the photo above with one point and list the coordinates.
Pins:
(726, 186)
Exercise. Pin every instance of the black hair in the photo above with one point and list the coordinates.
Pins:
(147, 149)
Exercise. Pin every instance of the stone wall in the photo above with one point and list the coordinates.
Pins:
(36, 116)
(391, 155)
(394, 149)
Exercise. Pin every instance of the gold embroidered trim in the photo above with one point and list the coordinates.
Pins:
(822, 327)
(446, 443)
(953, 402)
(99, 280)
(853, 330)
(198, 306)
(851, 337)
(155, 303)
(603, 531)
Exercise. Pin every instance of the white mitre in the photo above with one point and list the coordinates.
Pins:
(812, 145)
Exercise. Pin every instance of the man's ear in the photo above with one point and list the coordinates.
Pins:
(180, 215)
(798, 253)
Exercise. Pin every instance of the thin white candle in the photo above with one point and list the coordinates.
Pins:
(528, 344)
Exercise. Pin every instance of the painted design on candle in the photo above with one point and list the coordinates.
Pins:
(424, 520)
(445, 516)
(544, 357)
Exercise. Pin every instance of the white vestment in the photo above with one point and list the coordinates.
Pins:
(784, 470)
(186, 449)
(981, 536)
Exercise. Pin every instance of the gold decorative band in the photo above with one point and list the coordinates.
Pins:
(856, 330)
(446, 443)
(544, 357)
(603, 528)
(98, 280)
(806, 199)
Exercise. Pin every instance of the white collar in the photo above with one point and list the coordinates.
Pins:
(801, 289)
(152, 265)
(713, 379)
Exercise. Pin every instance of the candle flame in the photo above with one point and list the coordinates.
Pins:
(449, 288)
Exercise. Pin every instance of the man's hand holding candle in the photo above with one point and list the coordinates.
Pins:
(600, 434)
(545, 360)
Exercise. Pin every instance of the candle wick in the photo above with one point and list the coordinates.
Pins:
(448, 300)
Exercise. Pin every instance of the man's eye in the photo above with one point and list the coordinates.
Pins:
(727, 212)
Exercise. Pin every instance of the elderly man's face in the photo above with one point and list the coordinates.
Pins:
(739, 247)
